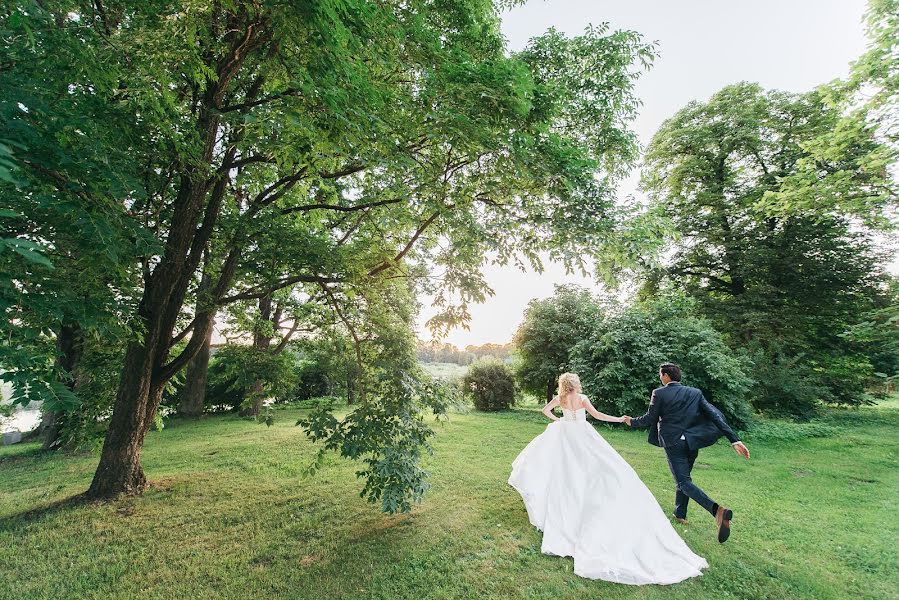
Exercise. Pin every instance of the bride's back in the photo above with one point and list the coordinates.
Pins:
(572, 403)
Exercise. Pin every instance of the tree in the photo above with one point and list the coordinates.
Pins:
(848, 167)
(550, 329)
(272, 324)
(775, 281)
(366, 141)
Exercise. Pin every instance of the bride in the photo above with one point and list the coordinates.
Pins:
(591, 505)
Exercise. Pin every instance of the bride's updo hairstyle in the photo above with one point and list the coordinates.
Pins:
(569, 382)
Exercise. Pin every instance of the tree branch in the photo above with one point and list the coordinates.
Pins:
(284, 341)
(243, 106)
(421, 229)
(339, 208)
(282, 283)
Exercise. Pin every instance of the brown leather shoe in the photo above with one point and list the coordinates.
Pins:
(723, 517)
(681, 521)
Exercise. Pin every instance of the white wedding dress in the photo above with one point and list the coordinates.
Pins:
(592, 506)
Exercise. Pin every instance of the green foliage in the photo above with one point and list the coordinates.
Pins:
(618, 361)
(490, 384)
(849, 167)
(550, 329)
(388, 434)
(327, 402)
(785, 283)
(326, 366)
(313, 380)
(786, 385)
(877, 333)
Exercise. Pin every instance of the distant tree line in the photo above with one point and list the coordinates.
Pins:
(435, 351)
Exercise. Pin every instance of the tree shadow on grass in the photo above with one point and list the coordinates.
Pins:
(17, 455)
(18, 520)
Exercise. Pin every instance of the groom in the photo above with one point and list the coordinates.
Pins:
(682, 421)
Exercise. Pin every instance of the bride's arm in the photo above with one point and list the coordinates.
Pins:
(598, 415)
(548, 409)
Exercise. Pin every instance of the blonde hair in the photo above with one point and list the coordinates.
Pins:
(568, 382)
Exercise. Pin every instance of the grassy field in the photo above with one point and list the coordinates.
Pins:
(445, 371)
(229, 515)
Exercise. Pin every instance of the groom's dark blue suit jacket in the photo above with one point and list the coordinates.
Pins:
(678, 410)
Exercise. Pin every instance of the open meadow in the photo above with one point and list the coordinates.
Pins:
(230, 515)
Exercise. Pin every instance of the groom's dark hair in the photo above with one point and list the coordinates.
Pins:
(671, 370)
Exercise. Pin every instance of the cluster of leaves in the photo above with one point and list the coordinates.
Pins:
(326, 367)
(618, 360)
(490, 385)
(387, 432)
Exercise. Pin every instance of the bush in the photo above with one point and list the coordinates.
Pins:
(490, 385)
(618, 362)
(313, 380)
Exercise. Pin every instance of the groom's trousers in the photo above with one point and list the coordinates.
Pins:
(680, 460)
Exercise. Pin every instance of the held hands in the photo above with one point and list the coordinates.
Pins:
(741, 449)
(626, 419)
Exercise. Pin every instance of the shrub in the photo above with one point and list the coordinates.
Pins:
(618, 362)
(490, 385)
(313, 380)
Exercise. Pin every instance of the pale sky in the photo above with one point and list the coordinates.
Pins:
(704, 45)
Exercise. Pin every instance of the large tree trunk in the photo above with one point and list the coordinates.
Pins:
(261, 343)
(195, 211)
(193, 394)
(119, 471)
(144, 372)
(70, 345)
(550, 389)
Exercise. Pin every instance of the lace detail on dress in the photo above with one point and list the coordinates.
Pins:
(574, 415)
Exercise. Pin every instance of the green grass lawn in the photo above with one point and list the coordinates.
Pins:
(230, 515)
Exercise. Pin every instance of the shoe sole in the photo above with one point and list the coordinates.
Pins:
(724, 530)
